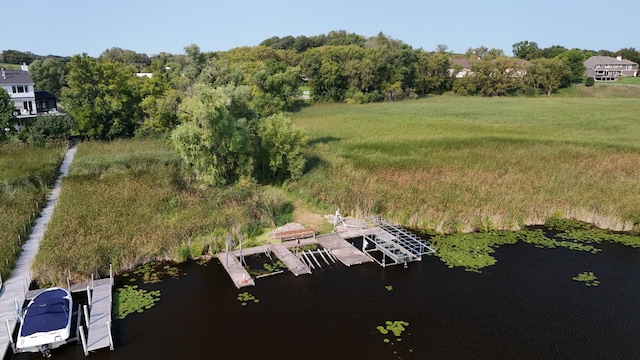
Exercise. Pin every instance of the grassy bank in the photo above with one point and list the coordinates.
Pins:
(126, 202)
(455, 164)
(26, 175)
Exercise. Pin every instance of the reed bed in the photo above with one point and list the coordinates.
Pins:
(127, 202)
(458, 164)
(26, 175)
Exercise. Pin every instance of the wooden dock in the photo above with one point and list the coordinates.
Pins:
(239, 275)
(342, 250)
(291, 261)
(15, 288)
(99, 323)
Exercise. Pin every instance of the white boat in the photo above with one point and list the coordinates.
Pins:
(46, 323)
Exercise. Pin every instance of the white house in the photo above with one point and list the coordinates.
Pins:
(19, 85)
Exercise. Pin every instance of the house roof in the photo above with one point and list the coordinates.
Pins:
(604, 60)
(15, 77)
(44, 95)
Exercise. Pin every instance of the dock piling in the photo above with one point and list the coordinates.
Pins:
(13, 346)
(83, 338)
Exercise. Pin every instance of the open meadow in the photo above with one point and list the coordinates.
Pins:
(456, 164)
(26, 175)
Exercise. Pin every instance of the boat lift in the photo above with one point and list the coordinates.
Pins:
(395, 243)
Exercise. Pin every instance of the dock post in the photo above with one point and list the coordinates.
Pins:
(111, 273)
(91, 280)
(84, 341)
(69, 280)
(79, 320)
(88, 295)
(13, 346)
(86, 315)
(111, 347)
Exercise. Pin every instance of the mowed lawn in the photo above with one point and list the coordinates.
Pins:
(461, 163)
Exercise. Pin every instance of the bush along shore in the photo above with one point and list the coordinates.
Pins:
(26, 175)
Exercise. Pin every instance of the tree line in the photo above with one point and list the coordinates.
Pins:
(244, 94)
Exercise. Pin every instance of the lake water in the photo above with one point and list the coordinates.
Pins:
(525, 307)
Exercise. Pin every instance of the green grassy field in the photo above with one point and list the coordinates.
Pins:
(26, 174)
(629, 81)
(126, 202)
(455, 164)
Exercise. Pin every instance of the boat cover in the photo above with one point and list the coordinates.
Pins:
(47, 312)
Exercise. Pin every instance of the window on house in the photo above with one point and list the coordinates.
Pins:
(20, 89)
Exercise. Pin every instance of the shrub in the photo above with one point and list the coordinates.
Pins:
(590, 81)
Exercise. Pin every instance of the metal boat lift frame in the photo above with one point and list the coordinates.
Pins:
(396, 243)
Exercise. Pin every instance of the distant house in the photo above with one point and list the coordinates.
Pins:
(19, 85)
(462, 68)
(27, 101)
(607, 68)
(45, 102)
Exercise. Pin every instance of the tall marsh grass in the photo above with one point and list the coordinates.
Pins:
(26, 175)
(127, 202)
(457, 164)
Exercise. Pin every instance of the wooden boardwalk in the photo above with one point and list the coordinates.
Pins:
(100, 316)
(15, 288)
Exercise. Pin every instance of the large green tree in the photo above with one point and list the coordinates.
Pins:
(211, 140)
(527, 50)
(548, 74)
(103, 96)
(281, 149)
(49, 74)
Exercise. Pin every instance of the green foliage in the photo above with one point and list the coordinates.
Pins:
(211, 140)
(26, 177)
(548, 73)
(48, 128)
(128, 201)
(395, 327)
(6, 109)
(281, 151)
(471, 251)
(130, 299)
(590, 81)
(103, 96)
(275, 207)
(588, 278)
(448, 160)
(246, 297)
(49, 74)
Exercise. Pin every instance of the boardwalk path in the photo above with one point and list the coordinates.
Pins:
(14, 289)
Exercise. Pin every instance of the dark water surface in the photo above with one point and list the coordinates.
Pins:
(525, 307)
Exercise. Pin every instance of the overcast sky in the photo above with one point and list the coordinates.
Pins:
(69, 27)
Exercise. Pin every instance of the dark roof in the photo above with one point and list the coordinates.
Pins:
(44, 95)
(15, 77)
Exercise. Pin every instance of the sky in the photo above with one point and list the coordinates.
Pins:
(70, 27)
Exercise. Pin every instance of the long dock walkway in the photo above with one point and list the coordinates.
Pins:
(15, 288)
(100, 316)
